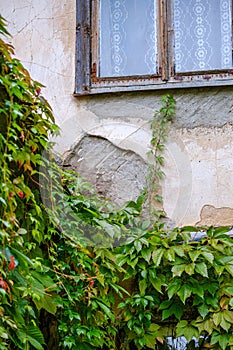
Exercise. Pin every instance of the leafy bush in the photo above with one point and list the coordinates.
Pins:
(61, 285)
(25, 123)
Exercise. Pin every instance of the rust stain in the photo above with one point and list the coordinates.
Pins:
(93, 73)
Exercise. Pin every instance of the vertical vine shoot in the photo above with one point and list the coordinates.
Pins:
(159, 126)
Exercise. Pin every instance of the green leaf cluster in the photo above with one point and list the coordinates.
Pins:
(26, 121)
(61, 285)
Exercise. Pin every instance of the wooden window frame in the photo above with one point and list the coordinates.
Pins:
(88, 82)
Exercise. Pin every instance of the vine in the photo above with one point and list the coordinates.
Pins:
(26, 121)
(159, 126)
(60, 291)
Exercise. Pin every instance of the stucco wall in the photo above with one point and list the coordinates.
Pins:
(107, 137)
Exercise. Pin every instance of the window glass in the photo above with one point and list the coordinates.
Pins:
(181, 343)
(127, 38)
(203, 35)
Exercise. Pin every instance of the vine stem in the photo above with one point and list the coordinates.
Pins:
(159, 126)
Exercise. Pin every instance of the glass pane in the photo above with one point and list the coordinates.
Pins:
(203, 35)
(181, 343)
(128, 38)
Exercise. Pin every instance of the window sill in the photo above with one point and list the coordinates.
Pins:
(143, 85)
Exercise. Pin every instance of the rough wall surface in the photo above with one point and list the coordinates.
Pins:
(113, 130)
(114, 172)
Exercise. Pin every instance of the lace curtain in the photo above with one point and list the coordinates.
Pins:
(203, 30)
(128, 38)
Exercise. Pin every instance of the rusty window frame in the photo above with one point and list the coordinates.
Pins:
(87, 80)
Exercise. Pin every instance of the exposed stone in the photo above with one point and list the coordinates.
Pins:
(216, 216)
(115, 173)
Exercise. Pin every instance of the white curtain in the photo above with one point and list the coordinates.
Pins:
(203, 35)
(128, 38)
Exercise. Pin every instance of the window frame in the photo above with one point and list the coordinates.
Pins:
(88, 82)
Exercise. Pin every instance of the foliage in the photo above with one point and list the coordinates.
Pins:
(61, 285)
(180, 282)
(159, 127)
(25, 123)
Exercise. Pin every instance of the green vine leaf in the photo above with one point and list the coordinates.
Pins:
(173, 287)
(146, 254)
(142, 287)
(186, 330)
(189, 268)
(177, 270)
(157, 282)
(208, 256)
(203, 310)
(222, 339)
(184, 292)
(157, 256)
(202, 269)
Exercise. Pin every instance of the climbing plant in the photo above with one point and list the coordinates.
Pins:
(25, 123)
(159, 128)
(60, 286)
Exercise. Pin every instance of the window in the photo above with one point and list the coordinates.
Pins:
(125, 45)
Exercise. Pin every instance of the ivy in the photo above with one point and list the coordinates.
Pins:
(159, 127)
(61, 285)
(25, 124)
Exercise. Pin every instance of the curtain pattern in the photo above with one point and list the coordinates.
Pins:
(128, 38)
(202, 35)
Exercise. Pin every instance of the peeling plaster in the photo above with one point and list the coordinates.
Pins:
(216, 216)
(198, 184)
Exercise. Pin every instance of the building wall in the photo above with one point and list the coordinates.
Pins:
(106, 137)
